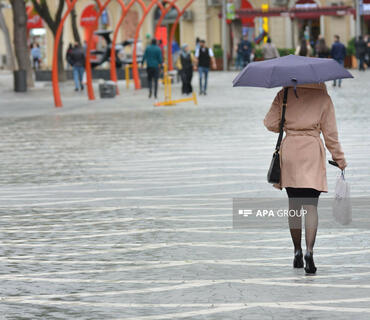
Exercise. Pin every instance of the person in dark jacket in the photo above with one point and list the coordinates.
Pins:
(338, 53)
(153, 58)
(245, 49)
(77, 60)
(361, 47)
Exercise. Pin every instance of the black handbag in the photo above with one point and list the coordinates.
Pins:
(274, 173)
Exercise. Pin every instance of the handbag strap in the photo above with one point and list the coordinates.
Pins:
(277, 148)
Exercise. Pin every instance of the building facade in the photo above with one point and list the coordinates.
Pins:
(202, 20)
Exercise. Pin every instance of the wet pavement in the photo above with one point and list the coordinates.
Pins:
(115, 209)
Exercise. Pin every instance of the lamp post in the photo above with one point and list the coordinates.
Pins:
(224, 39)
(358, 5)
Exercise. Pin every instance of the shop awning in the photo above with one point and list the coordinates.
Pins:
(297, 13)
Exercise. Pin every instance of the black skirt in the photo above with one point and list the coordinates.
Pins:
(306, 195)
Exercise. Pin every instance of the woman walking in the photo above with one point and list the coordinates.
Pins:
(185, 65)
(309, 112)
(304, 49)
(322, 50)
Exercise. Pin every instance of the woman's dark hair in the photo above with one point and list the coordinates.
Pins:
(268, 40)
(322, 46)
(303, 48)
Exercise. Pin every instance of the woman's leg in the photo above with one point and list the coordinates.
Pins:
(295, 223)
(311, 223)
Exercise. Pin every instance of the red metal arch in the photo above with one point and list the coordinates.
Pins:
(55, 71)
(172, 34)
(135, 72)
(90, 89)
(113, 70)
(172, 4)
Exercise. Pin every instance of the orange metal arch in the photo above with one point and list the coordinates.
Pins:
(172, 34)
(135, 72)
(90, 88)
(163, 14)
(113, 70)
(55, 71)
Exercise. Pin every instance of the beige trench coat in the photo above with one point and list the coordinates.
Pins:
(302, 153)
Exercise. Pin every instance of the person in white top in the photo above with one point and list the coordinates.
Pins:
(204, 59)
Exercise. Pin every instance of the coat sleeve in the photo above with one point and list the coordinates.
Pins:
(273, 116)
(329, 130)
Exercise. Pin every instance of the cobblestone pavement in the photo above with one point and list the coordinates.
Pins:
(114, 209)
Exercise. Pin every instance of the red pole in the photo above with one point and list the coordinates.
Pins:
(90, 88)
(172, 34)
(135, 72)
(54, 70)
(113, 70)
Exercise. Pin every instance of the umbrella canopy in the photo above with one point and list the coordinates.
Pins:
(289, 71)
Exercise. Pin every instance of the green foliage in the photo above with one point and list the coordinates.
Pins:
(351, 47)
(285, 51)
(217, 51)
(258, 53)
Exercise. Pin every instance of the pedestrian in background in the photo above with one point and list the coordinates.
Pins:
(36, 55)
(361, 48)
(304, 49)
(338, 53)
(322, 50)
(204, 59)
(246, 50)
(77, 60)
(68, 54)
(185, 66)
(239, 57)
(269, 50)
(153, 58)
(175, 49)
(367, 55)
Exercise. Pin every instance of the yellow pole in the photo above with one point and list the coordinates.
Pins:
(127, 75)
(265, 20)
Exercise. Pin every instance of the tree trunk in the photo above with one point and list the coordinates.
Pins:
(76, 34)
(9, 50)
(61, 55)
(20, 38)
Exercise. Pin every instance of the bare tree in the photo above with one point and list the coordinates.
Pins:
(20, 38)
(41, 7)
(8, 44)
(76, 34)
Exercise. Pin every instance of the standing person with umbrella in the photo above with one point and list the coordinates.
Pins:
(303, 109)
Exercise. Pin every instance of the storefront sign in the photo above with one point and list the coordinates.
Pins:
(89, 17)
(33, 19)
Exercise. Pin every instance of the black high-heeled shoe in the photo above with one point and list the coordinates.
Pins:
(310, 264)
(298, 259)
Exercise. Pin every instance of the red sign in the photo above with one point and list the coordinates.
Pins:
(33, 19)
(89, 17)
(162, 35)
(247, 22)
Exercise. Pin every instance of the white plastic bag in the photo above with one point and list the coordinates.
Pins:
(342, 208)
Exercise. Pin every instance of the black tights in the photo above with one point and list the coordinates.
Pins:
(305, 199)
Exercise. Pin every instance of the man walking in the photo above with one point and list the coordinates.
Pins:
(204, 57)
(246, 50)
(77, 60)
(153, 58)
(361, 47)
(338, 53)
